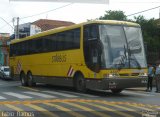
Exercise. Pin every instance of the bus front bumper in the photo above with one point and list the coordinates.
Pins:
(115, 83)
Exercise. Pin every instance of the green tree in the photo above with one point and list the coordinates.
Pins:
(151, 32)
(114, 15)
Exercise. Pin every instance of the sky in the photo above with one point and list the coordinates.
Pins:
(74, 12)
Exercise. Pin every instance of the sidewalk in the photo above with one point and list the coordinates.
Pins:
(141, 89)
(138, 89)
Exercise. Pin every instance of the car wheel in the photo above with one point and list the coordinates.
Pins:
(80, 83)
(24, 81)
(2, 77)
(30, 80)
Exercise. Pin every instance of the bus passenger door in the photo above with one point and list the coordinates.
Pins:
(92, 50)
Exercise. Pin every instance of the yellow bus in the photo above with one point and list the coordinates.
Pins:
(98, 55)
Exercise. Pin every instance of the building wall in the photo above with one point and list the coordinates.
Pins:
(34, 29)
(1, 55)
(4, 49)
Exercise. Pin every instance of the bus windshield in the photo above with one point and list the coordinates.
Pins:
(122, 47)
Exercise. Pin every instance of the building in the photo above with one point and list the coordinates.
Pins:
(38, 26)
(4, 49)
(158, 22)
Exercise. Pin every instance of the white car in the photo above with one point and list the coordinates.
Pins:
(5, 72)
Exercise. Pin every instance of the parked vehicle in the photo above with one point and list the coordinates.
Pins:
(5, 72)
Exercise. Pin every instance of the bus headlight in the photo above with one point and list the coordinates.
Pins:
(143, 75)
(110, 75)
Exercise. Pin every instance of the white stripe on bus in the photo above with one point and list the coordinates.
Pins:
(70, 71)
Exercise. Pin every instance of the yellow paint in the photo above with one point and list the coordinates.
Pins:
(18, 110)
(141, 107)
(71, 112)
(42, 110)
(86, 109)
(73, 102)
(104, 108)
(124, 108)
(112, 110)
(13, 107)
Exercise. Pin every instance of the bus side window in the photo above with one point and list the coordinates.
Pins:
(69, 40)
(90, 32)
(76, 40)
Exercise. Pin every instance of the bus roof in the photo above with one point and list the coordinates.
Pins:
(59, 29)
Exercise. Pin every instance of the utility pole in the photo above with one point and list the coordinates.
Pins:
(17, 30)
(159, 13)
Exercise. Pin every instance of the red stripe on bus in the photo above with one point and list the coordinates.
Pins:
(69, 70)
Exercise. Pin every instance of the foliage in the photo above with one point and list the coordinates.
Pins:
(151, 32)
(114, 15)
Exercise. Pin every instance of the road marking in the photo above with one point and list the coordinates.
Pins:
(71, 112)
(75, 100)
(42, 110)
(39, 94)
(81, 94)
(121, 107)
(107, 109)
(28, 88)
(2, 97)
(99, 106)
(61, 94)
(86, 109)
(17, 95)
(140, 94)
(13, 107)
(139, 106)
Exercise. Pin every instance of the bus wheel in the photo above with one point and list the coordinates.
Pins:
(23, 79)
(30, 80)
(80, 83)
(116, 90)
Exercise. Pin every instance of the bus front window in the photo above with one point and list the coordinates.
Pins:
(135, 46)
(122, 47)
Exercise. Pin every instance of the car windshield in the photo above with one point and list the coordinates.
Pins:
(122, 47)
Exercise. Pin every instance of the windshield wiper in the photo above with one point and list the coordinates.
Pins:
(133, 59)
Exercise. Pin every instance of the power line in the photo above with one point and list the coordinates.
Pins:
(143, 11)
(47, 11)
(7, 23)
(34, 15)
(139, 2)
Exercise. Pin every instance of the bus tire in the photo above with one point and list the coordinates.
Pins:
(116, 90)
(30, 79)
(80, 83)
(23, 79)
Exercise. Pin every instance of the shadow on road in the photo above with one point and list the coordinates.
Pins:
(101, 93)
(42, 87)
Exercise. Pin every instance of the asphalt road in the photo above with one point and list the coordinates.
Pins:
(51, 101)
